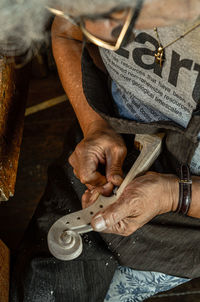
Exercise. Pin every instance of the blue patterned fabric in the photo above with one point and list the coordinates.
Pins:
(130, 285)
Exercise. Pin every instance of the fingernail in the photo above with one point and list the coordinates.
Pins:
(99, 223)
(94, 196)
(117, 178)
(107, 186)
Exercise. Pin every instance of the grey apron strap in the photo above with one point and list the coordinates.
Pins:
(183, 146)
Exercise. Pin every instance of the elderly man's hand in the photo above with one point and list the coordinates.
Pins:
(101, 145)
(143, 199)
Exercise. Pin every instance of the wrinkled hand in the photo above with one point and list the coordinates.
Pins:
(101, 145)
(144, 198)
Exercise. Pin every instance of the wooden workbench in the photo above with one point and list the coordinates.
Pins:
(13, 95)
(4, 272)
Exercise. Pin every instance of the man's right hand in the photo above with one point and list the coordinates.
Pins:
(101, 145)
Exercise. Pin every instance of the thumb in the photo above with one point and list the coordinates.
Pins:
(114, 168)
(109, 217)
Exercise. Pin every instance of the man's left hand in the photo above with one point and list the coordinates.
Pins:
(144, 198)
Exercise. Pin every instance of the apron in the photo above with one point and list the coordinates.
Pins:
(169, 242)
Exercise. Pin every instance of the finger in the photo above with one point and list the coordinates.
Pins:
(92, 198)
(114, 164)
(89, 197)
(124, 227)
(151, 173)
(85, 199)
(118, 228)
(72, 159)
(92, 178)
(75, 173)
(105, 190)
(90, 187)
(85, 169)
(110, 216)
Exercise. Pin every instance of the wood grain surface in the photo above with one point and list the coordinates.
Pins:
(13, 94)
(4, 272)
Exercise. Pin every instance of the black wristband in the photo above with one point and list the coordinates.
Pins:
(185, 190)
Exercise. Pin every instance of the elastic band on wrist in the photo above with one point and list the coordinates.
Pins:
(185, 190)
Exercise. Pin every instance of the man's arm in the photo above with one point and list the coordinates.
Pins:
(67, 48)
(100, 144)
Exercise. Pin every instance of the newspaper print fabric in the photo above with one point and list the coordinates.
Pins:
(147, 92)
(172, 89)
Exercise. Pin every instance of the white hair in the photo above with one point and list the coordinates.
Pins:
(23, 21)
(90, 7)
